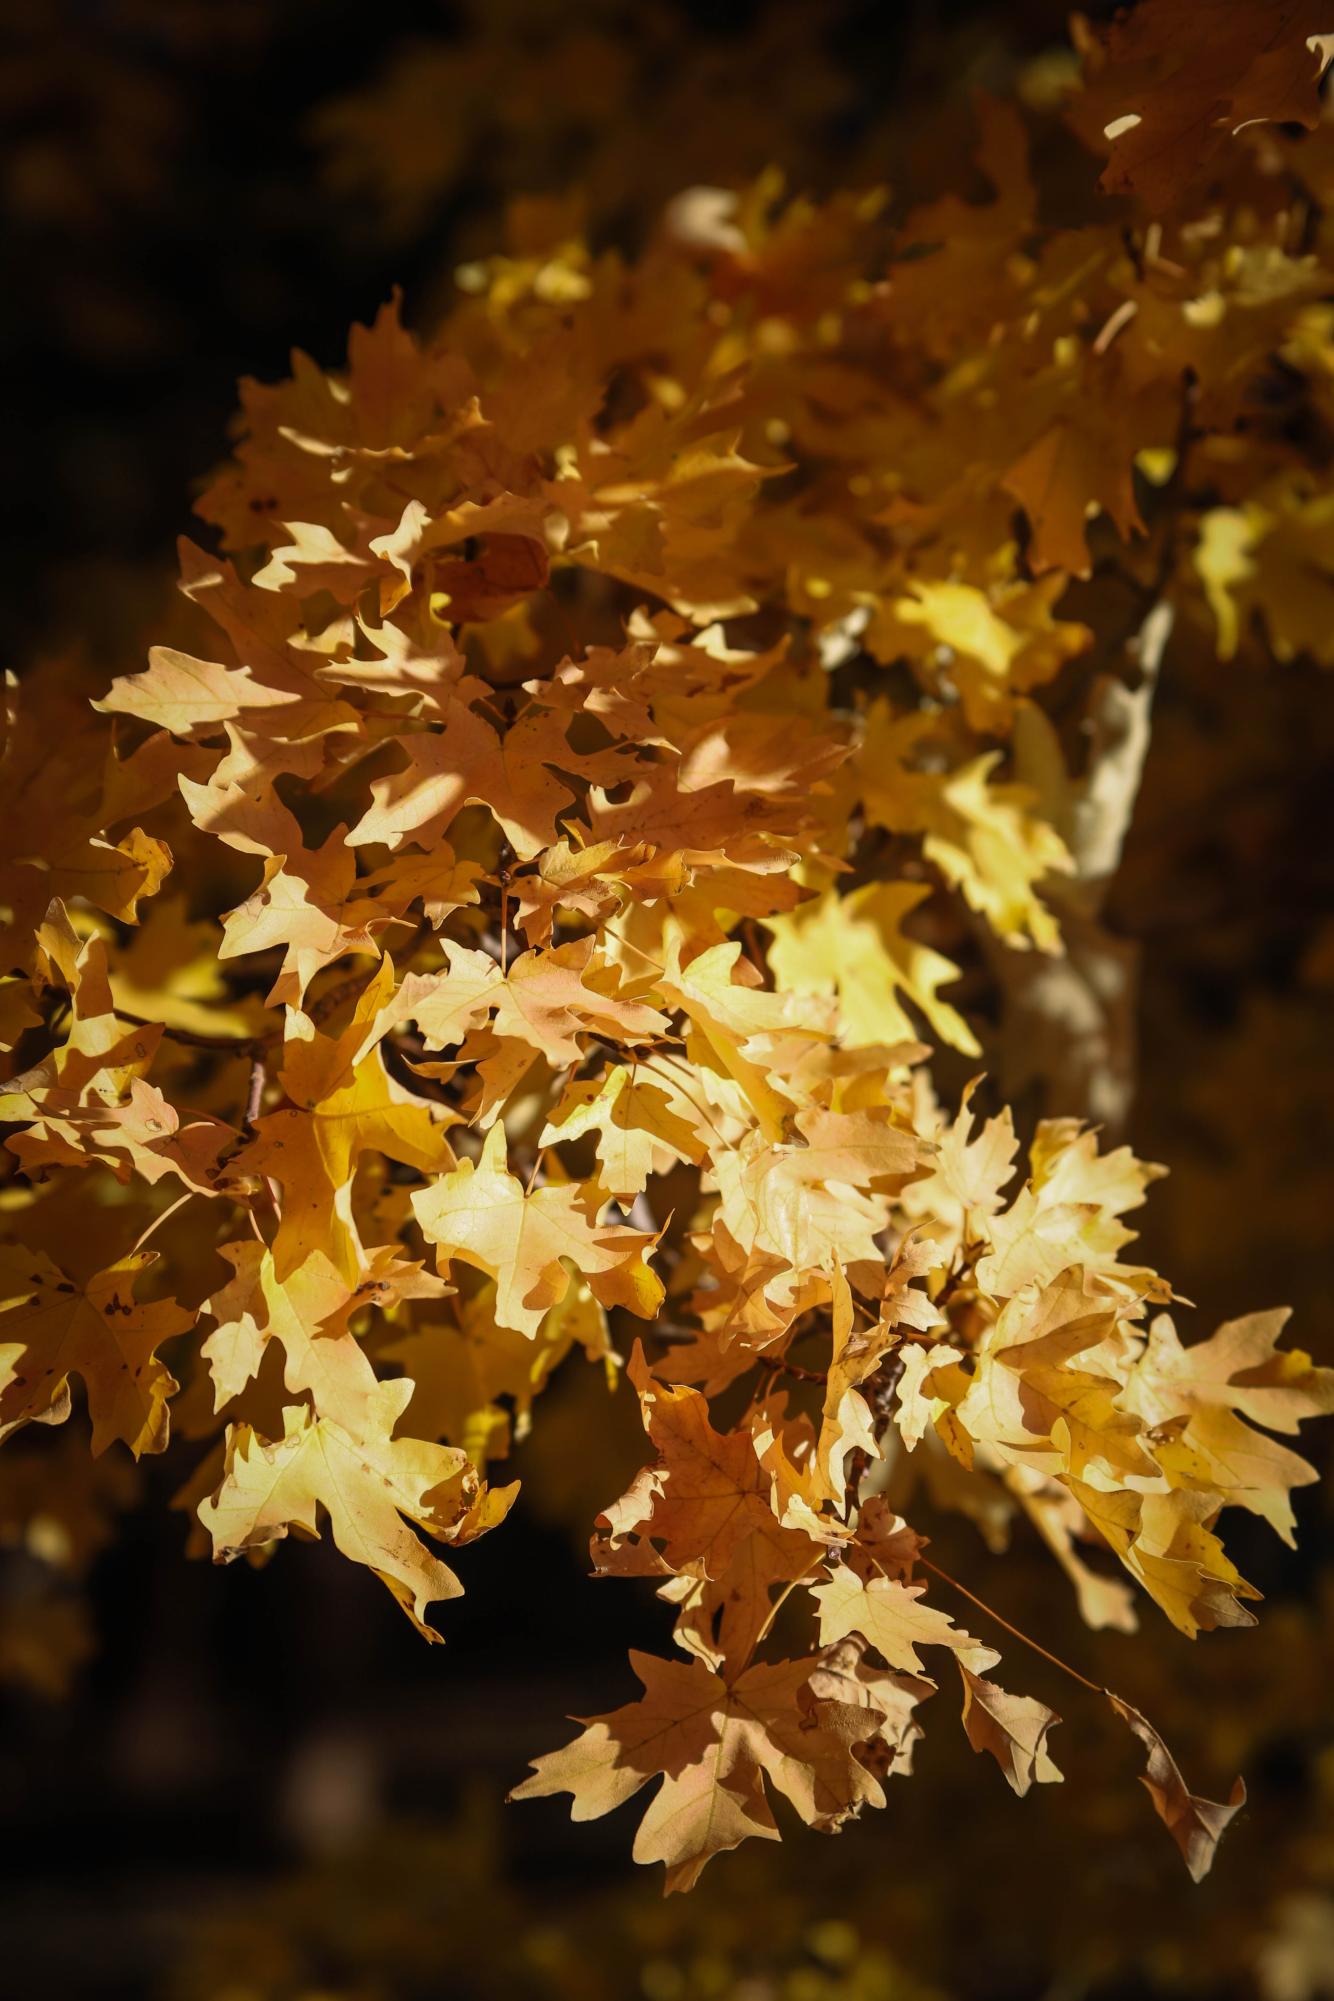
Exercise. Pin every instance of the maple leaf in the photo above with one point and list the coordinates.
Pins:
(735, 1023)
(886, 1612)
(1013, 1728)
(548, 997)
(344, 1104)
(371, 1485)
(509, 517)
(1067, 472)
(856, 946)
(986, 838)
(1070, 1208)
(470, 1375)
(17, 1012)
(1196, 1825)
(998, 646)
(591, 880)
(705, 826)
(641, 1128)
(142, 1136)
(714, 1744)
(961, 1187)
(53, 1328)
(483, 1216)
(306, 904)
(511, 776)
(1271, 560)
(918, 1406)
(440, 881)
(856, 1354)
(706, 1505)
(1196, 1398)
(1025, 1400)
(87, 851)
(446, 1005)
(100, 1057)
(809, 1208)
(308, 1314)
(654, 509)
(184, 695)
(1165, 1541)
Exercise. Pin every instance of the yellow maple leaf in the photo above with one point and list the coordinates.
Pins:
(481, 1214)
(51, 1329)
(855, 946)
(372, 1486)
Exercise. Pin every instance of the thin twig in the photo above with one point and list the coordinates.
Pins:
(189, 1038)
(780, 1362)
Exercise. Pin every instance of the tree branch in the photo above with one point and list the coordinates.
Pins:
(1068, 1020)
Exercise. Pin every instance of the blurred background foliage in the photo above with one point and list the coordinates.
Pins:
(257, 1786)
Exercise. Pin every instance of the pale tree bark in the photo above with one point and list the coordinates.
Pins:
(1068, 1023)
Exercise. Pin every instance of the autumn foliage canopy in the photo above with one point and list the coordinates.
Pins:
(645, 750)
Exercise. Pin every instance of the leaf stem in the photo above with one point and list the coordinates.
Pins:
(778, 1605)
(991, 1613)
(161, 1218)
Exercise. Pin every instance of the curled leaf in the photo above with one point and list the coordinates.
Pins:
(1196, 1825)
